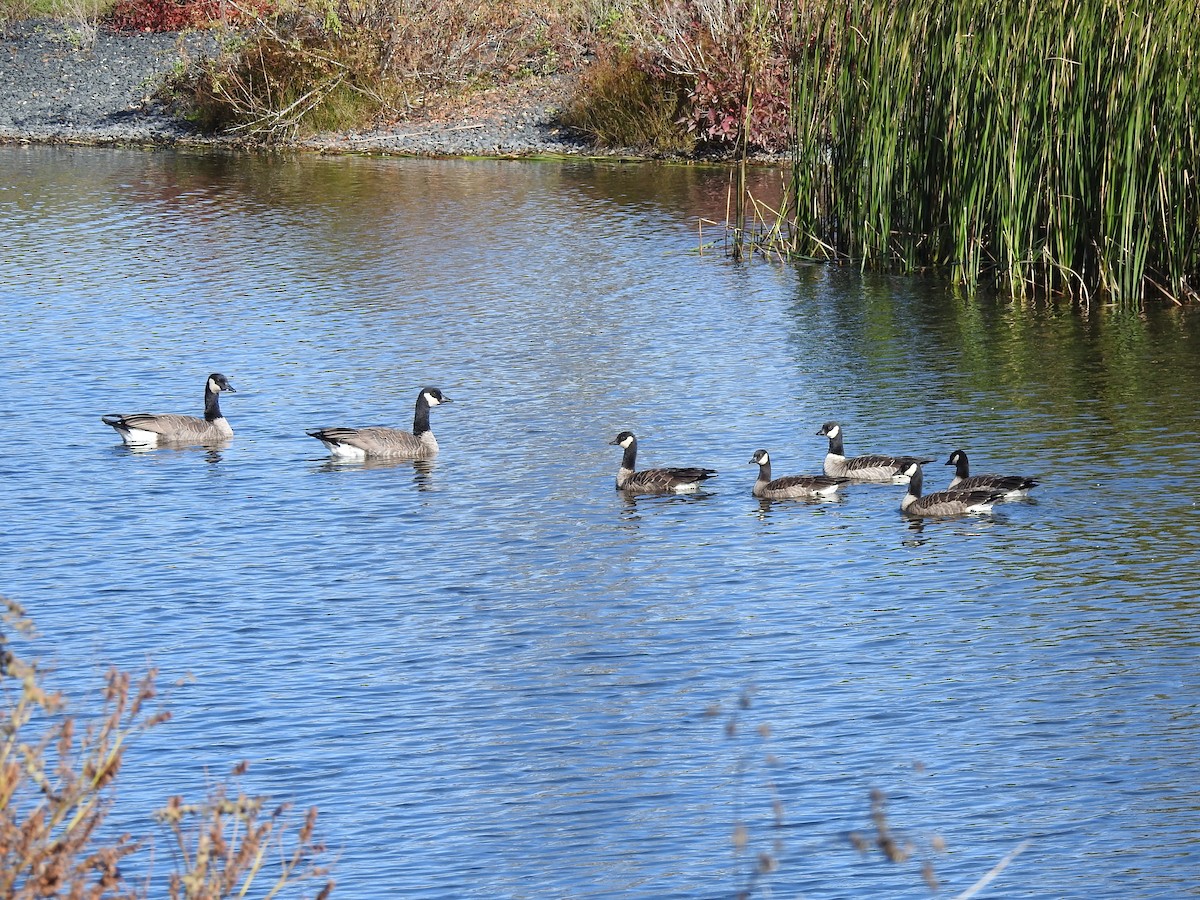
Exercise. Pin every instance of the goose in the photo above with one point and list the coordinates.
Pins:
(378, 442)
(1013, 486)
(149, 430)
(791, 487)
(654, 481)
(874, 467)
(943, 503)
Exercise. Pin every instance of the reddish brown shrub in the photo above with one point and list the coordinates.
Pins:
(734, 54)
(176, 15)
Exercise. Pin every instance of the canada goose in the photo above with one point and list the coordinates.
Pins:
(791, 487)
(1013, 486)
(148, 430)
(943, 503)
(654, 481)
(387, 443)
(872, 467)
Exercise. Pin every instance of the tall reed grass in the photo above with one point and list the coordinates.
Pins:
(1047, 146)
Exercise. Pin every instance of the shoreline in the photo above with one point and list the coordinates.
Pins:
(56, 90)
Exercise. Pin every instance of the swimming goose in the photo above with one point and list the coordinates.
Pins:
(873, 467)
(1013, 486)
(943, 503)
(654, 481)
(791, 487)
(387, 443)
(149, 430)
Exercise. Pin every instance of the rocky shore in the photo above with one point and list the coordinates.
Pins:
(57, 86)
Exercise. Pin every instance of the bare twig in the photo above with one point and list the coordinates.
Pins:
(993, 872)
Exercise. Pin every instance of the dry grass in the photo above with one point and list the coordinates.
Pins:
(734, 57)
(620, 104)
(317, 66)
(81, 17)
(58, 778)
(223, 844)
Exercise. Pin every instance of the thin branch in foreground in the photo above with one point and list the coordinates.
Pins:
(991, 874)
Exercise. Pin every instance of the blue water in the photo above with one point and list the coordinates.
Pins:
(493, 674)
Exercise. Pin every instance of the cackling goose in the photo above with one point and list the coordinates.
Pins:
(654, 481)
(1013, 486)
(791, 487)
(943, 503)
(872, 467)
(378, 442)
(149, 430)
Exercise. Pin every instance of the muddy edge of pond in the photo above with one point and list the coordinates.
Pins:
(58, 89)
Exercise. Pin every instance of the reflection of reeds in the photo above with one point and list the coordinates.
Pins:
(1042, 147)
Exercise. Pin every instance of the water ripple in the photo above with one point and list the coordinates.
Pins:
(494, 674)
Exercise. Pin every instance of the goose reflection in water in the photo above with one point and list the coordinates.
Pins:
(213, 450)
(422, 468)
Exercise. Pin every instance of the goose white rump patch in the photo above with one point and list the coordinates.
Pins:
(136, 437)
(345, 451)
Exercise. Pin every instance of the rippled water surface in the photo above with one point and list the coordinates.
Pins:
(494, 675)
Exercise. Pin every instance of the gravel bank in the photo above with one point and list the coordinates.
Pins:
(56, 89)
(510, 121)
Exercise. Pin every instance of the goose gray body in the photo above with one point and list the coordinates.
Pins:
(791, 487)
(163, 429)
(870, 467)
(1013, 486)
(944, 503)
(379, 442)
(677, 480)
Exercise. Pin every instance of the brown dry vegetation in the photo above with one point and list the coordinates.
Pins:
(58, 778)
(660, 76)
(724, 63)
(657, 76)
(313, 67)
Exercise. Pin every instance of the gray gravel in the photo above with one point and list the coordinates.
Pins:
(507, 122)
(57, 88)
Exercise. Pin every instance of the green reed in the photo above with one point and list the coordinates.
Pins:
(1047, 146)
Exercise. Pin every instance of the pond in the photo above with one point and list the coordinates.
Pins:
(493, 673)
